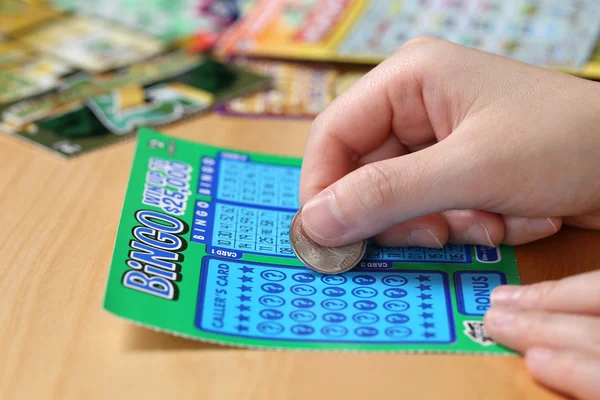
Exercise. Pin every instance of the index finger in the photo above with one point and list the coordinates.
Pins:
(387, 100)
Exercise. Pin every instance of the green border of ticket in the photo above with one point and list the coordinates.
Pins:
(177, 316)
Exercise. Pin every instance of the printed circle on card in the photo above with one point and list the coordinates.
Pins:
(273, 275)
(303, 303)
(334, 317)
(364, 292)
(304, 277)
(395, 293)
(303, 290)
(366, 331)
(397, 318)
(365, 318)
(274, 288)
(334, 291)
(271, 314)
(270, 328)
(364, 280)
(394, 280)
(365, 305)
(396, 305)
(303, 330)
(271, 301)
(334, 304)
(303, 316)
(398, 332)
(335, 331)
(334, 279)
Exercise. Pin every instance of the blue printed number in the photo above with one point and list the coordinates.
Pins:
(271, 301)
(365, 318)
(334, 279)
(365, 305)
(334, 304)
(364, 280)
(395, 293)
(303, 290)
(271, 314)
(364, 292)
(334, 291)
(397, 318)
(273, 275)
(398, 332)
(272, 288)
(334, 317)
(302, 330)
(302, 316)
(303, 303)
(394, 280)
(335, 331)
(396, 305)
(366, 331)
(303, 277)
(270, 328)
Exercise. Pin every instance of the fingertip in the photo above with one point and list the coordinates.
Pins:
(521, 230)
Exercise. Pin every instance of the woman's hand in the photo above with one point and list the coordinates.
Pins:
(557, 326)
(446, 143)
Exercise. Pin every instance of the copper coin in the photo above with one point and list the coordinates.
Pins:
(327, 260)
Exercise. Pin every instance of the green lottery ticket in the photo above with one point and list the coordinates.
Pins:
(203, 251)
(90, 111)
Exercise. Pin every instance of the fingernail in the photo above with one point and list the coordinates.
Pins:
(479, 234)
(424, 238)
(538, 357)
(321, 217)
(541, 226)
(500, 319)
(506, 295)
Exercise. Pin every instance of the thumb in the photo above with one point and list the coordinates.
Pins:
(380, 195)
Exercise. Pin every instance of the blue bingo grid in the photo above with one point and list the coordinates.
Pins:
(252, 208)
(295, 304)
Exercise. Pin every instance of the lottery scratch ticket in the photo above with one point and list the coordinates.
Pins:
(548, 33)
(203, 251)
(299, 90)
(93, 111)
(92, 44)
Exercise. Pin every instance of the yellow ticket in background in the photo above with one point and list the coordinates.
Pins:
(92, 44)
(368, 31)
(17, 15)
(293, 28)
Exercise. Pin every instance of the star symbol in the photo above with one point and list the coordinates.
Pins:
(245, 288)
(425, 306)
(426, 315)
(424, 287)
(428, 335)
(423, 296)
(241, 328)
(243, 318)
(244, 298)
(243, 307)
(422, 278)
(245, 269)
(428, 325)
(245, 278)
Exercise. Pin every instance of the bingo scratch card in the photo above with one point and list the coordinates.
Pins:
(203, 251)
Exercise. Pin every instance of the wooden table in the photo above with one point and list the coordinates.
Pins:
(59, 220)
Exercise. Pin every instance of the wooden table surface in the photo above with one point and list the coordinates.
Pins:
(58, 222)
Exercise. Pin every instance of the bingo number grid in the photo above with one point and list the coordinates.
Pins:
(254, 204)
(294, 304)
